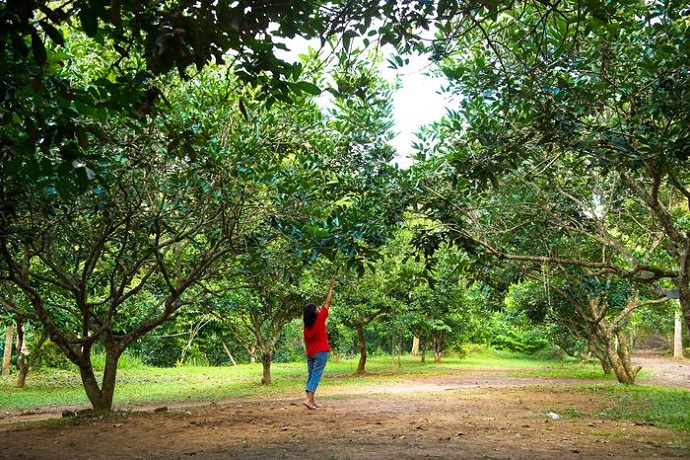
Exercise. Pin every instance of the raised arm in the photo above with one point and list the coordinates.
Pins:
(329, 296)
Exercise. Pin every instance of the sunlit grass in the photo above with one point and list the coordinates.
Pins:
(647, 404)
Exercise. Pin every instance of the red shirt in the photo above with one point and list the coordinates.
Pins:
(316, 338)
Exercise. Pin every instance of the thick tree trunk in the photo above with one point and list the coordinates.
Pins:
(23, 363)
(90, 384)
(101, 398)
(606, 365)
(7, 355)
(618, 356)
(362, 343)
(266, 360)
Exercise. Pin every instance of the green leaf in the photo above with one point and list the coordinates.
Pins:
(308, 88)
(53, 33)
(89, 21)
(38, 48)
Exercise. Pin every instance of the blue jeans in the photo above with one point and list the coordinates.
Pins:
(316, 363)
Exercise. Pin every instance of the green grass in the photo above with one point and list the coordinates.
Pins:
(138, 384)
(648, 404)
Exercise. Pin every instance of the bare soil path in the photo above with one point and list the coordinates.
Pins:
(482, 414)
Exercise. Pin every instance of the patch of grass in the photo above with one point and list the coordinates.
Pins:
(571, 413)
(574, 370)
(660, 406)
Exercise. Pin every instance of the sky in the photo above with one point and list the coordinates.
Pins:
(417, 103)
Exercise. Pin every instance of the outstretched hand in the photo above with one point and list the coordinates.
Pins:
(329, 296)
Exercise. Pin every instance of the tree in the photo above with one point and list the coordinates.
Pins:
(439, 310)
(256, 316)
(582, 132)
(153, 224)
(364, 300)
(81, 268)
(598, 311)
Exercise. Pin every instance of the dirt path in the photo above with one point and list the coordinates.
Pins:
(664, 371)
(482, 415)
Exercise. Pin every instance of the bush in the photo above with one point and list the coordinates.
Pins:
(522, 341)
(127, 360)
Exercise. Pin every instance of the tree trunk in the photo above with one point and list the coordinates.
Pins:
(227, 352)
(606, 365)
(678, 337)
(101, 398)
(438, 351)
(423, 350)
(26, 359)
(683, 283)
(361, 342)
(7, 355)
(618, 356)
(23, 364)
(439, 341)
(596, 348)
(23, 352)
(415, 346)
(266, 359)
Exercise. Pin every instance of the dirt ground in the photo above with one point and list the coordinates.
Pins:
(463, 415)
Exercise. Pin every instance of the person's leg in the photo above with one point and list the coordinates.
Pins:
(319, 365)
(309, 402)
(310, 369)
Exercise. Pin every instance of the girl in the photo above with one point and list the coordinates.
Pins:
(316, 343)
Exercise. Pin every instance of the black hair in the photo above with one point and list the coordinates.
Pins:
(309, 315)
